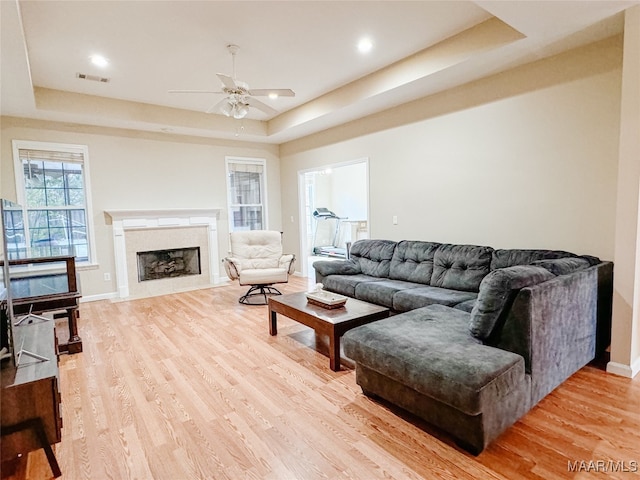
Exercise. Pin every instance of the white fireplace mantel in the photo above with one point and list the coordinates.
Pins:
(123, 220)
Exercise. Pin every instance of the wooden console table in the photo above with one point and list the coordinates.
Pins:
(49, 292)
(30, 397)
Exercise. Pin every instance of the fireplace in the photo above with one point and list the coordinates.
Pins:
(176, 262)
(169, 230)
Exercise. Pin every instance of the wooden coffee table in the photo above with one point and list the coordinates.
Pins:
(332, 322)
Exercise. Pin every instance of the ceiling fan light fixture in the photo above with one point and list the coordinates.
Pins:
(227, 109)
(240, 111)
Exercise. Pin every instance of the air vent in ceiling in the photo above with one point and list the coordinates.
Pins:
(94, 78)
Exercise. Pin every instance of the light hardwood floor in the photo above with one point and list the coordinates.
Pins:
(191, 386)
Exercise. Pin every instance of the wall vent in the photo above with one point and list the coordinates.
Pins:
(93, 78)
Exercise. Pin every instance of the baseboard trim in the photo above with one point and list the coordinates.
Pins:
(115, 297)
(101, 296)
(623, 370)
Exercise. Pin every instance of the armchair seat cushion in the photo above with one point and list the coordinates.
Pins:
(263, 276)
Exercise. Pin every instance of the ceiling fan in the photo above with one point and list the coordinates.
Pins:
(239, 97)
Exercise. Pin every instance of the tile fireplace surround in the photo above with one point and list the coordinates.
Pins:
(141, 230)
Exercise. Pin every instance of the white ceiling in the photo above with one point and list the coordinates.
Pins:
(308, 46)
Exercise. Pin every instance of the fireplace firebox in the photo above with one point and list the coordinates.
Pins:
(176, 262)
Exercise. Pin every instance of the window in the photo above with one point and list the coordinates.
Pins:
(52, 188)
(246, 193)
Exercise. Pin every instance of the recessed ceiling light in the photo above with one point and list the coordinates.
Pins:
(273, 96)
(365, 45)
(99, 60)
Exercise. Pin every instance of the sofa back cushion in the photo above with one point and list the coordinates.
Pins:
(563, 266)
(508, 258)
(460, 267)
(373, 256)
(497, 290)
(413, 261)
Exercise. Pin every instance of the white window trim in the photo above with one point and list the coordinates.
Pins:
(58, 147)
(250, 161)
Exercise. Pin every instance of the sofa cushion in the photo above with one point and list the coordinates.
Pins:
(413, 261)
(431, 351)
(563, 266)
(511, 257)
(373, 256)
(422, 296)
(346, 284)
(466, 306)
(383, 291)
(460, 267)
(497, 290)
(336, 267)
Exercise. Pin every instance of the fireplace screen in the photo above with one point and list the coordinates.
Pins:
(176, 262)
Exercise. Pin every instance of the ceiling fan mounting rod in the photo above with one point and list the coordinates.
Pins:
(233, 49)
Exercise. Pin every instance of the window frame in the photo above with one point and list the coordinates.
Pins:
(230, 204)
(18, 145)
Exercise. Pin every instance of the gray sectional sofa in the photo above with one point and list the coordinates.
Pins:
(481, 335)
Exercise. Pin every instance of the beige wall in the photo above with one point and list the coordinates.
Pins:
(343, 190)
(524, 159)
(349, 191)
(625, 345)
(143, 171)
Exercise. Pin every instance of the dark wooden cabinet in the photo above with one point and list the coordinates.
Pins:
(30, 397)
(48, 292)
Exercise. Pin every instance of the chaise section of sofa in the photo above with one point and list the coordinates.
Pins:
(480, 335)
(441, 373)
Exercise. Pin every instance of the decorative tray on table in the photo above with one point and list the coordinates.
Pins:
(326, 299)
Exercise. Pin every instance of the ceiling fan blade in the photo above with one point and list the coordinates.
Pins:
(217, 106)
(227, 81)
(261, 106)
(281, 92)
(193, 91)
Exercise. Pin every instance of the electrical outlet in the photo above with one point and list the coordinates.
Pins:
(107, 277)
(395, 219)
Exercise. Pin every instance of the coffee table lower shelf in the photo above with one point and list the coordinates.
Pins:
(331, 322)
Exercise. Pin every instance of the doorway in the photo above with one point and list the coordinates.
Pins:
(334, 211)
